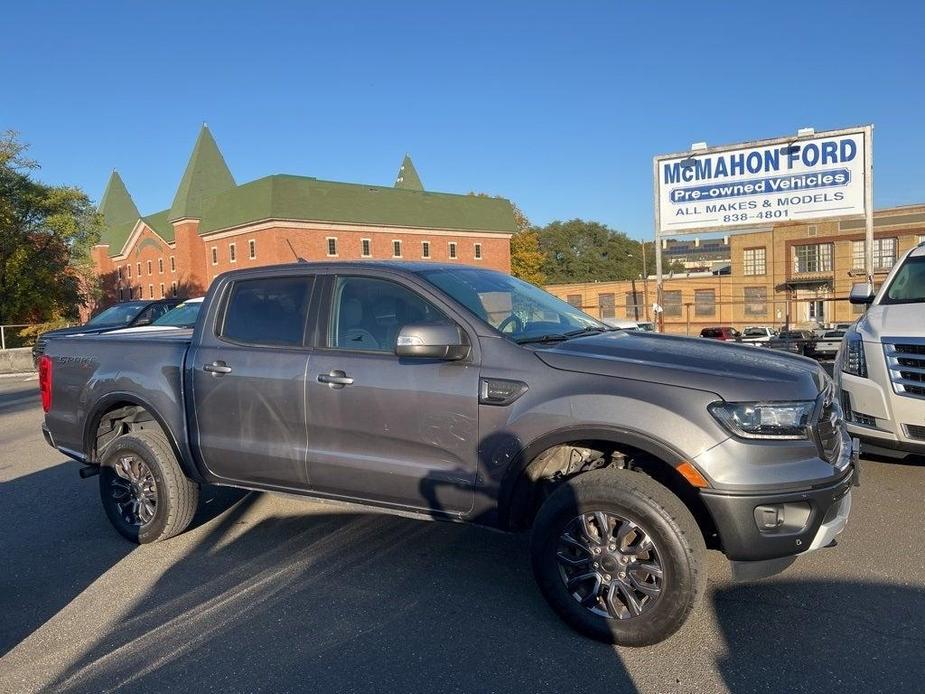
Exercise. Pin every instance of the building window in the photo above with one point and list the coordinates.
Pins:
(815, 257)
(884, 254)
(332, 246)
(366, 248)
(452, 250)
(162, 290)
(150, 291)
(160, 265)
(252, 249)
(173, 264)
(149, 267)
(138, 267)
(607, 305)
(756, 301)
(425, 249)
(121, 294)
(173, 287)
(396, 249)
(574, 300)
(128, 271)
(478, 251)
(704, 302)
(671, 302)
(232, 253)
(119, 273)
(635, 305)
(755, 261)
(214, 255)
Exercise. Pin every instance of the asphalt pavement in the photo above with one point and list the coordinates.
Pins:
(272, 593)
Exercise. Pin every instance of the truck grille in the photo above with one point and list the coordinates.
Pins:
(828, 427)
(905, 362)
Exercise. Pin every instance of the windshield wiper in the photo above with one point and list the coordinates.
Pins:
(551, 337)
(588, 330)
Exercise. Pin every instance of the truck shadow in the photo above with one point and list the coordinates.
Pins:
(56, 541)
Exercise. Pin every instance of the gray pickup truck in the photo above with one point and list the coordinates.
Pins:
(459, 393)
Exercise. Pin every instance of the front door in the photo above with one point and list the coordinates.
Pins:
(402, 431)
(248, 383)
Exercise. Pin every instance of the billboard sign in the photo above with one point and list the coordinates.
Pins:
(788, 179)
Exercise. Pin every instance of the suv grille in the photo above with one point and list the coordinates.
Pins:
(829, 425)
(905, 362)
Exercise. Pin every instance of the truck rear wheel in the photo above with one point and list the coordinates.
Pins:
(618, 557)
(144, 492)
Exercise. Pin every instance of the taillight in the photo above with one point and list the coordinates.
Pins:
(45, 381)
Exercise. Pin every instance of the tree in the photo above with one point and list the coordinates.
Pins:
(46, 233)
(585, 251)
(527, 259)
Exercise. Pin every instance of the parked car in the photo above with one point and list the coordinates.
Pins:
(646, 326)
(125, 315)
(621, 324)
(725, 333)
(827, 346)
(404, 387)
(758, 334)
(881, 366)
(181, 316)
(801, 342)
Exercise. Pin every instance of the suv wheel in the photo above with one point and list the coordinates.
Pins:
(144, 492)
(619, 557)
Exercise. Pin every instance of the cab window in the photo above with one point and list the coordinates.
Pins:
(268, 311)
(368, 313)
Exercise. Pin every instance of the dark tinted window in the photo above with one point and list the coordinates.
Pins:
(268, 311)
(368, 314)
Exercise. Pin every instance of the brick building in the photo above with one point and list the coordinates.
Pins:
(799, 274)
(215, 224)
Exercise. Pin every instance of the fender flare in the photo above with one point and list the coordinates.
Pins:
(106, 402)
(510, 501)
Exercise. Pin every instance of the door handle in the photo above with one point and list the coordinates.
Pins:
(217, 368)
(335, 379)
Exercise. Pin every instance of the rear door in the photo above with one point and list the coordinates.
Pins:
(403, 431)
(248, 381)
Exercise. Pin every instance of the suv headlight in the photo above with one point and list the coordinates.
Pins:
(765, 420)
(853, 360)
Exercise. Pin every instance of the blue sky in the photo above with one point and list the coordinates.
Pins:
(559, 106)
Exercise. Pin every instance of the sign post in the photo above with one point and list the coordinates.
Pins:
(736, 188)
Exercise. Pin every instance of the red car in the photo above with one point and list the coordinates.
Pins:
(726, 333)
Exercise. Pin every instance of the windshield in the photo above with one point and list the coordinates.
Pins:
(120, 314)
(835, 335)
(755, 332)
(908, 286)
(520, 311)
(181, 316)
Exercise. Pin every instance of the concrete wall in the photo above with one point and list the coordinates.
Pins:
(16, 360)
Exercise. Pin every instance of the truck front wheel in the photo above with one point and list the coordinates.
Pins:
(618, 557)
(144, 492)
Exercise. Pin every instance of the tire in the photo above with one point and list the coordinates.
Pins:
(643, 608)
(174, 496)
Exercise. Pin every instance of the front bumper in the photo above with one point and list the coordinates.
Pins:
(810, 519)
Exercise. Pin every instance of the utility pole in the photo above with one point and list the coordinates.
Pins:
(645, 280)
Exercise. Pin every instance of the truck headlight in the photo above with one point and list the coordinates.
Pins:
(765, 420)
(853, 360)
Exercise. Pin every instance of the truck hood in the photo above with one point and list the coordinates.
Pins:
(733, 372)
(892, 320)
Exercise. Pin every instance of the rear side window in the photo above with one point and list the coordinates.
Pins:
(268, 311)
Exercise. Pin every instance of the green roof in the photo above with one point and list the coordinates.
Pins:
(208, 192)
(309, 199)
(118, 211)
(408, 178)
(206, 176)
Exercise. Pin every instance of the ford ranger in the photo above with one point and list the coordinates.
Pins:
(456, 393)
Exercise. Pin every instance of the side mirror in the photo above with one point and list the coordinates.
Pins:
(432, 341)
(861, 293)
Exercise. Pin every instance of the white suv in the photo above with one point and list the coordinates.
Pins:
(880, 368)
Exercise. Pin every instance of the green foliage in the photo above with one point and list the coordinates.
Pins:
(585, 251)
(46, 233)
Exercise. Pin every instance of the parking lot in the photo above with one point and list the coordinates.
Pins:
(270, 593)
